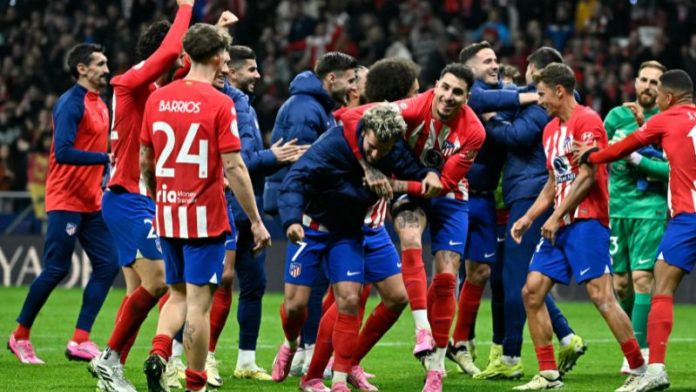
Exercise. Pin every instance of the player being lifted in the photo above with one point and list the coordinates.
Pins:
(189, 136)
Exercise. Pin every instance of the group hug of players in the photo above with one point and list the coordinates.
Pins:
(180, 214)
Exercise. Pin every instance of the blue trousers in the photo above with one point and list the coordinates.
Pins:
(515, 268)
(251, 274)
(64, 227)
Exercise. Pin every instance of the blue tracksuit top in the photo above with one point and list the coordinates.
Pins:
(259, 161)
(484, 174)
(525, 172)
(304, 116)
(326, 183)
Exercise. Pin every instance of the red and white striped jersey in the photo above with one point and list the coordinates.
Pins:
(376, 214)
(583, 125)
(675, 130)
(189, 124)
(450, 146)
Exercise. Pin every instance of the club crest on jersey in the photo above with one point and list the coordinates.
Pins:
(295, 269)
(568, 145)
(448, 148)
(71, 228)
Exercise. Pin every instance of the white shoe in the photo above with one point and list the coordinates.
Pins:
(625, 369)
(298, 363)
(173, 372)
(654, 379)
(630, 384)
(109, 374)
(460, 355)
(540, 382)
(211, 368)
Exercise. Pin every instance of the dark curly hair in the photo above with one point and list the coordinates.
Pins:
(390, 79)
(151, 39)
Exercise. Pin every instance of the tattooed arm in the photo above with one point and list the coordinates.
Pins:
(377, 181)
(147, 168)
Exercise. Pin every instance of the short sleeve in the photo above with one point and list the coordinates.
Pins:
(590, 129)
(145, 135)
(227, 128)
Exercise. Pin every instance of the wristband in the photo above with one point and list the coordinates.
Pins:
(585, 158)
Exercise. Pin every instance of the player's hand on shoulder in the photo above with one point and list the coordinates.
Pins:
(637, 111)
(519, 228)
(377, 181)
(431, 185)
(227, 19)
(295, 233)
(581, 150)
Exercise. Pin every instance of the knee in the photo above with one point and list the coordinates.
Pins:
(602, 301)
(396, 301)
(348, 303)
(642, 281)
(157, 290)
(480, 274)
(55, 272)
(410, 238)
(532, 296)
(621, 286)
(252, 290)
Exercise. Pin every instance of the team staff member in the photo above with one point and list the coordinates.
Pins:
(73, 202)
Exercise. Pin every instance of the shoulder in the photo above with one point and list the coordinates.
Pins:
(72, 101)
(588, 117)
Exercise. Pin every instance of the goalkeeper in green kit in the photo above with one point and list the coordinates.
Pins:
(637, 204)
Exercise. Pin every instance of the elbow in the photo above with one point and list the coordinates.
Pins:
(62, 155)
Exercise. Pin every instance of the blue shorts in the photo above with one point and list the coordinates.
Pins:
(195, 261)
(678, 245)
(343, 257)
(232, 237)
(481, 243)
(582, 249)
(449, 223)
(381, 258)
(129, 217)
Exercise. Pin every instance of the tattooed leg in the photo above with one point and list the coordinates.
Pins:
(197, 328)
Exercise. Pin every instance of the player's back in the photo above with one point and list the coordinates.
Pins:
(189, 123)
(675, 130)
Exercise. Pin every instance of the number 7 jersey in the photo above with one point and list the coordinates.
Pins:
(189, 124)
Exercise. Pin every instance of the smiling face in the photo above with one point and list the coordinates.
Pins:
(223, 70)
(646, 86)
(339, 84)
(449, 96)
(245, 76)
(549, 98)
(374, 148)
(485, 66)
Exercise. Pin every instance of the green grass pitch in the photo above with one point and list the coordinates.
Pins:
(391, 360)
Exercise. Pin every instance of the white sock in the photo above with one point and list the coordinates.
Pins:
(309, 353)
(246, 359)
(510, 360)
(339, 377)
(110, 356)
(565, 341)
(655, 368)
(437, 359)
(641, 369)
(550, 374)
(420, 316)
(177, 348)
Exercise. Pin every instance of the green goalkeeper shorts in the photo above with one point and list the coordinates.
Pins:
(634, 243)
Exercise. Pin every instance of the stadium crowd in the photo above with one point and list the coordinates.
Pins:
(604, 42)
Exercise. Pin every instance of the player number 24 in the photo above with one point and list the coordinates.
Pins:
(185, 155)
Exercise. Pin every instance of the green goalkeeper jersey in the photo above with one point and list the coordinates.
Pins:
(626, 200)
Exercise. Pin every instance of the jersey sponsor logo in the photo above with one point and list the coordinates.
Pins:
(562, 170)
(176, 106)
(71, 228)
(171, 196)
(295, 269)
(587, 137)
